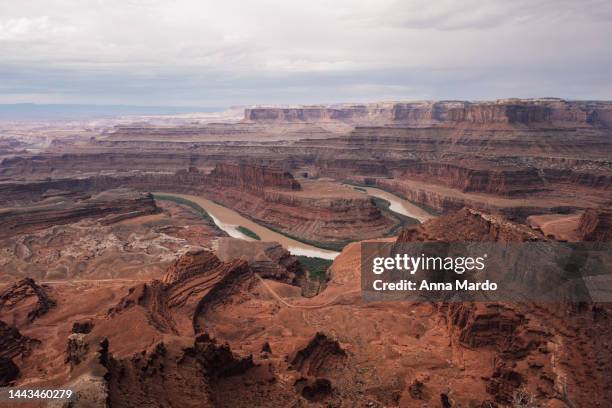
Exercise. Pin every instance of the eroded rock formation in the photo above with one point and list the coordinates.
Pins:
(524, 338)
(253, 178)
(270, 260)
(596, 225)
(24, 301)
(319, 357)
(470, 225)
(13, 345)
(107, 207)
(164, 374)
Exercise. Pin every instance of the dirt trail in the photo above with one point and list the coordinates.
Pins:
(110, 281)
(332, 302)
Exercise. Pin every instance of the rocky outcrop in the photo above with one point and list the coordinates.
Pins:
(321, 356)
(270, 260)
(197, 282)
(596, 225)
(520, 343)
(12, 345)
(24, 301)
(235, 278)
(106, 207)
(76, 349)
(316, 361)
(482, 325)
(173, 373)
(151, 301)
(8, 371)
(252, 178)
(191, 263)
(314, 389)
(469, 225)
(177, 370)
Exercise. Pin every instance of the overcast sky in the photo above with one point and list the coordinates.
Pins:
(229, 52)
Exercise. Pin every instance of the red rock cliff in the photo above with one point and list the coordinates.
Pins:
(253, 177)
(505, 111)
(596, 225)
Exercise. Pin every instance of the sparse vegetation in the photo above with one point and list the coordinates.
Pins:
(317, 267)
(524, 399)
(333, 246)
(178, 200)
(402, 220)
(202, 212)
(430, 210)
(248, 233)
(360, 189)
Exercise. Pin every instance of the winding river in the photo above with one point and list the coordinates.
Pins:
(229, 221)
(398, 205)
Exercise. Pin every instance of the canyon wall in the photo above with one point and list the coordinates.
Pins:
(420, 113)
(596, 224)
(252, 178)
(518, 157)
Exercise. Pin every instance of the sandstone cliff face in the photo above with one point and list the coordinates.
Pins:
(508, 111)
(252, 177)
(327, 220)
(596, 225)
(519, 149)
(492, 180)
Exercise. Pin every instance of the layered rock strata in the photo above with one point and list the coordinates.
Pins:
(545, 111)
(24, 301)
(596, 224)
(316, 211)
(252, 178)
(107, 207)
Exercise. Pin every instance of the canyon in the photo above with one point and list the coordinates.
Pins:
(211, 325)
(176, 261)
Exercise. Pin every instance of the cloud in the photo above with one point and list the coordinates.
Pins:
(274, 51)
(477, 14)
(26, 29)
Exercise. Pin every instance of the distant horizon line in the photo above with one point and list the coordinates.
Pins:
(285, 104)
